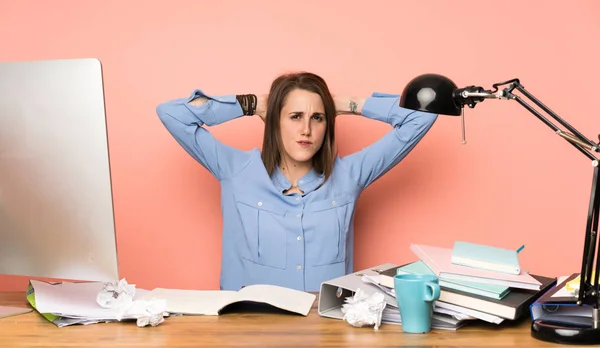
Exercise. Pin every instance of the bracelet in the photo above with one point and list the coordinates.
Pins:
(248, 103)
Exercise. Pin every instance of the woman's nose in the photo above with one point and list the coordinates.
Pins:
(306, 128)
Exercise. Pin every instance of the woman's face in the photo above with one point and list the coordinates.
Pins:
(302, 126)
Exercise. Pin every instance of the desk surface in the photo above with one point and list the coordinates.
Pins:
(259, 327)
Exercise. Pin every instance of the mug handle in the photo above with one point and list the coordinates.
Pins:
(432, 291)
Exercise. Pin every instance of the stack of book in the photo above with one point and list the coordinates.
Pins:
(474, 283)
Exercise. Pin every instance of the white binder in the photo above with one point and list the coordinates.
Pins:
(334, 292)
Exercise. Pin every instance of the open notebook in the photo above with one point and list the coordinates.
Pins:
(212, 302)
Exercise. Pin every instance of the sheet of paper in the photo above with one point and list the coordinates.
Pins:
(193, 302)
(471, 312)
(563, 292)
(10, 311)
(455, 314)
(376, 280)
(45, 294)
(77, 300)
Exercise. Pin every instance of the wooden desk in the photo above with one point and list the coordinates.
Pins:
(242, 328)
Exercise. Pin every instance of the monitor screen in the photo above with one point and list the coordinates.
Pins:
(56, 208)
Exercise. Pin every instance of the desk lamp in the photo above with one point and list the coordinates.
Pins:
(438, 94)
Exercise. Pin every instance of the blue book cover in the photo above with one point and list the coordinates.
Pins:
(486, 257)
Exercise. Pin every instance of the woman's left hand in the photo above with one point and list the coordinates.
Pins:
(261, 107)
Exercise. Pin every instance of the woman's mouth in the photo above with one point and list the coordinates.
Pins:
(304, 144)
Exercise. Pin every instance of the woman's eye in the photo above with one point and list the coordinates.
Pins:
(295, 117)
(318, 118)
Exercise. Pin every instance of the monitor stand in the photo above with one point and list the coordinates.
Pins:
(12, 311)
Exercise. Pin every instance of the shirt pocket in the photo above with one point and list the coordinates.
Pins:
(326, 226)
(264, 231)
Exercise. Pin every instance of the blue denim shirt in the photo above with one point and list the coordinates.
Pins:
(292, 240)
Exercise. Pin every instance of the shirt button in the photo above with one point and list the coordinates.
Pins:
(297, 198)
(299, 215)
(301, 181)
(299, 238)
(298, 267)
(259, 204)
(333, 203)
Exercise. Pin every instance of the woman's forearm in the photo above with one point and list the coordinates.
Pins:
(261, 104)
(349, 105)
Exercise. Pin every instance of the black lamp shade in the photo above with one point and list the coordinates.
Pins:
(431, 93)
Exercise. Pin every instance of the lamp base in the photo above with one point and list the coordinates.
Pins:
(566, 330)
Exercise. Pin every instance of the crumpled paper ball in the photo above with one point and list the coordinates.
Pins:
(362, 309)
(147, 312)
(119, 296)
(116, 295)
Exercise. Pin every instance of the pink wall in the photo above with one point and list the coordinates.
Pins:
(514, 183)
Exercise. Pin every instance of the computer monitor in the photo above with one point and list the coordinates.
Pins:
(56, 206)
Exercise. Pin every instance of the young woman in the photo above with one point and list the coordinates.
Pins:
(288, 210)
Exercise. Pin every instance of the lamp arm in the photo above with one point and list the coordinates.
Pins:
(471, 95)
(589, 290)
(576, 136)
